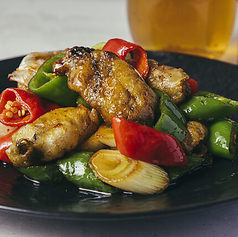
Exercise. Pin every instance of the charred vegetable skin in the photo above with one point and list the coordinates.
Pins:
(52, 86)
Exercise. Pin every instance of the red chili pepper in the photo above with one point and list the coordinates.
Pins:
(193, 85)
(122, 48)
(5, 143)
(147, 144)
(19, 107)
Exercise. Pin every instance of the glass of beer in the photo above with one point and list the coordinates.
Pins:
(198, 27)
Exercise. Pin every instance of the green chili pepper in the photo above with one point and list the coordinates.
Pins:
(75, 167)
(80, 100)
(206, 106)
(171, 120)
(177, 172)
(223, 139)
(43, 173)
(51, 86)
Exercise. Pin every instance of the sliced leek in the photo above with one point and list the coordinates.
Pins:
(106, 136)
(128, 174)
(103, 138)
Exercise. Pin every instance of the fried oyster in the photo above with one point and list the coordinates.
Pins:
(52, 135)
(109, 84)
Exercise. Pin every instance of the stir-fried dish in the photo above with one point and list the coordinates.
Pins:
(109, 119)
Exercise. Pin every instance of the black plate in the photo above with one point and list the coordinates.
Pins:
(211, 186)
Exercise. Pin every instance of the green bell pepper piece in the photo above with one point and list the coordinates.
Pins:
(223, 139)
(171, 120)
(177, 172)
(206, 106)
(80, 100)
(75, 167)
(51, 86)
(43, 173)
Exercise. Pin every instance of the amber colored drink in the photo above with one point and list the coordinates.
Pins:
(199, 27)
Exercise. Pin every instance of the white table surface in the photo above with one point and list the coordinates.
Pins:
(46, 25)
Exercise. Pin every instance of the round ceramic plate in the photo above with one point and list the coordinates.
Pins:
(203, 188)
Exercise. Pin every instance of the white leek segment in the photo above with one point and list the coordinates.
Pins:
(128, 174)
(103, 138)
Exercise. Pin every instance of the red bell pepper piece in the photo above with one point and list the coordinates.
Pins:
(147, 144)
(193, 85)
(5, 143)
(19, 107)
(122, 48)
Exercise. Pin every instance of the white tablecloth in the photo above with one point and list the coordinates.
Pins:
(46, 25)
